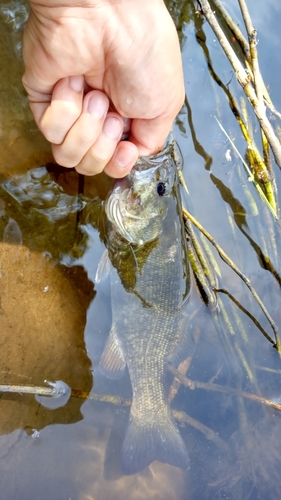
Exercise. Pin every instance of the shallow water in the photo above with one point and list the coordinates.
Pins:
(55, 319)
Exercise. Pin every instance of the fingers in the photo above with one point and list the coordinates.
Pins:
(125, 156)
(55, 118)
(83, 133)
(86, 136)
(107, 153)
(92, 143)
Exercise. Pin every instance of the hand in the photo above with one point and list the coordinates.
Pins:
(89, 67)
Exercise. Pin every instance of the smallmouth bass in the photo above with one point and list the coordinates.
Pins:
(150, 285)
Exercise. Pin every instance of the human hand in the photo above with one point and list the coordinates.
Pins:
(88, 67)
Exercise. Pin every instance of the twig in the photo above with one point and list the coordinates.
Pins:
(258, 81)
(244, 46)
(201, 256)
(31, 389)
(272, 108)
(181, 416)
(244, 80)
(263, 174)
(252, 37)
(234, 28)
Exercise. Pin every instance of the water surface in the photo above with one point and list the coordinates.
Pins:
(55, 319)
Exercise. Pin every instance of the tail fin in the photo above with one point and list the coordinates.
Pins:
(157, 440)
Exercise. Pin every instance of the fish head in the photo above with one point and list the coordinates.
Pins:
(138, 204)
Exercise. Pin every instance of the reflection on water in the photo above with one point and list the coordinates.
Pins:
(55, 321)
(38, 191)
(21, 143)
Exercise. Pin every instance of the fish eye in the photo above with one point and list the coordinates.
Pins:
(161, 188)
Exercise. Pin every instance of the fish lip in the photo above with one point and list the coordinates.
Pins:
(143, 166)
(146, 166)
(146, 162)
(120, 185)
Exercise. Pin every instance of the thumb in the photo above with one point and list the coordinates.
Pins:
(150, 135)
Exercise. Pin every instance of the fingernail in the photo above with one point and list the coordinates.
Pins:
(112, 127)
(97, 105)
(76, 82)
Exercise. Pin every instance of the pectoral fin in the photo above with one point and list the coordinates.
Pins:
(103, 267)
(112, 363)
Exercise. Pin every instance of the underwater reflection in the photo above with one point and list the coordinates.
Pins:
(43, 307)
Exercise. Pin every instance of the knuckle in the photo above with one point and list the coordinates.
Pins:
(68, 111)
(65, 158)
(99, 158)
(54, 131)
(53, 136)
(89, 169)
(91, 165)
(101, 152)
(58, 120)
(85, 138)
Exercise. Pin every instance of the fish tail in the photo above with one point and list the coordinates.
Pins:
(154, 440)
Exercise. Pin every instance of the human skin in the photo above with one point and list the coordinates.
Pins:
(89, 65)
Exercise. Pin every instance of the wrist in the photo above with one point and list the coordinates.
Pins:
(50, 11)
(84, 4)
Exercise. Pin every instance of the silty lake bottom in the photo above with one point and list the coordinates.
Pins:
(55, 319)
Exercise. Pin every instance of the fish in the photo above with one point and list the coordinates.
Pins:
(150, 287)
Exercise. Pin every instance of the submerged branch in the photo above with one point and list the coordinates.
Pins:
(246, 280)
(193, 384)
(180, 416)
(201, 268)
(260, 170)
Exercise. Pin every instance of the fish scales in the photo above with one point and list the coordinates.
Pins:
(149, 287)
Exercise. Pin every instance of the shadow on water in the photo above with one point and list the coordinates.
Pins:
(55, 320)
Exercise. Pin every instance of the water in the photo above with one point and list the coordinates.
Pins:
(55, 320)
